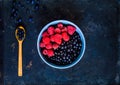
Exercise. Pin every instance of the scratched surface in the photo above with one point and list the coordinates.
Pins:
(96, 18)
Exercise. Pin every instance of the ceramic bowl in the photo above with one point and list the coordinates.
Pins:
(77, 30)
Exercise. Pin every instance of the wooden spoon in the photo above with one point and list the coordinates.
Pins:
(20, 36)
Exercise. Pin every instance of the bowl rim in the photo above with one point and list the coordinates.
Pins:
(80, 34)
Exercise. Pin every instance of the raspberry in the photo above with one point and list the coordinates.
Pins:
(52, 38)
(60, 25)
(42, 45)
(57, 30)
(58, 41)
(51, 30)
(45, 52)
(45, 34)
(46, 40)
(65, 36)
(50, 53)
(64, 29)
(71, 30)
(55, 46)
(58, 38)
(49, 46)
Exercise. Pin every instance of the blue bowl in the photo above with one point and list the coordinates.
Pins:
(82, 40)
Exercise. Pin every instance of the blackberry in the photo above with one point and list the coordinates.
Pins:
(62, 47)
(30, 19)
(68, 51)
(20, 34)
(14, 12)
(19, 20)
(36, 7)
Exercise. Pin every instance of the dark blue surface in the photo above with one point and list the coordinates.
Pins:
(96, 18)
(1, 44)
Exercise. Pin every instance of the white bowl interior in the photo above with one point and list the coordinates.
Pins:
(82, 40)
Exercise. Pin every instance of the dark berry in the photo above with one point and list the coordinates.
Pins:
(20, 34)
(30, 19)
(68, 50)
(19, 20)
(36, 7)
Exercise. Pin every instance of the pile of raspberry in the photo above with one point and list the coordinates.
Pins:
(53, 37)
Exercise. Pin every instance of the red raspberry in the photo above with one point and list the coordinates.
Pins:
(65, 36)
(58, 41)
(58, 38)
(45, 52)
(42, 45)
(46, 40)
(57, 30)
(51, 30)
(60, 25)
(52, 38)
(49, 46)
(64, 29)
(71, 30)
(50, 53)
(55, 46)
(45, 34)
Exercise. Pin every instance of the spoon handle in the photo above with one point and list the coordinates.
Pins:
(20, 59)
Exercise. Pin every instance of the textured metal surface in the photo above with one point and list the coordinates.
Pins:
(96, 18)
